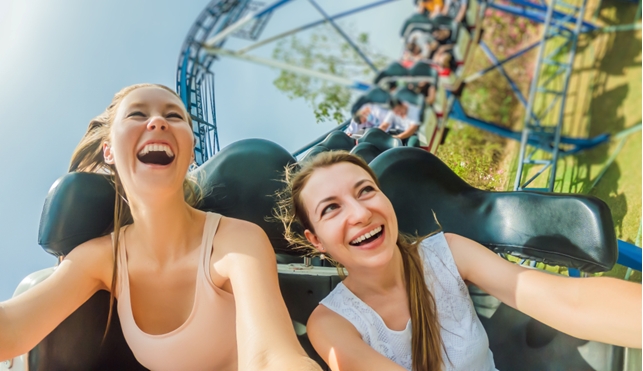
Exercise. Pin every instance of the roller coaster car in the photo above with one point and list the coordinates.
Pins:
(383, 98)
(571, 230)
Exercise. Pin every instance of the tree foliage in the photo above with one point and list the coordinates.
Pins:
(324, 50)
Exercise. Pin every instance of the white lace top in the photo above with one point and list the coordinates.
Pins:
(465, 340)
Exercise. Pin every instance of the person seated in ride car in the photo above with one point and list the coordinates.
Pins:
(440, 46)
(196, 290)
(403, 303)
(409, 123)
(374, 116)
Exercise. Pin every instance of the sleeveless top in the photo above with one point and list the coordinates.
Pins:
(207, 339)
(465, 340)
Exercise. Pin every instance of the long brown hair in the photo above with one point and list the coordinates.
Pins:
(426, 342)
(88, 157)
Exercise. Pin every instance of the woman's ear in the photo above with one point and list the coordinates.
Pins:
(107, 154)
(310, 236)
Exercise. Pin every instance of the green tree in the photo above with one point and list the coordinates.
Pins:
(324, 50)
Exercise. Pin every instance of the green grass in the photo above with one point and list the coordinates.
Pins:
(474, 155)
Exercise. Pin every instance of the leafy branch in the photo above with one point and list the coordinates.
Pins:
(325, 51)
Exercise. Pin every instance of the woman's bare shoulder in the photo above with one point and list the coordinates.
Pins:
(95, 257)
(236, 235)
(325, 320)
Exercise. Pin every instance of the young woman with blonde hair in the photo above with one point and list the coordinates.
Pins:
(195, 290)
(404, 304)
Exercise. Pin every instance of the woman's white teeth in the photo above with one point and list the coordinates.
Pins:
(367, 235)
(156, 147)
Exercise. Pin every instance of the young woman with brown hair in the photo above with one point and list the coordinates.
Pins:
(404, 304)
(195, 290)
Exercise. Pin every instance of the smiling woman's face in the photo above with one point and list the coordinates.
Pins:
(151, 142)
(353, 221)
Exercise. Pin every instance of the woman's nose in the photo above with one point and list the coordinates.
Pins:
(157, 123)
(359, 213)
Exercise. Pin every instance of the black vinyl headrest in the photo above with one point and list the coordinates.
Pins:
(560, 229)
(338, 140)
(314, 151)
(79, 207)
(244, 178)
(239, 181)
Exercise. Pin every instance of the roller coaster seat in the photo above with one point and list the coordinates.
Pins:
(338, 140)
(376, 95)
(572, 230)
(239, 181)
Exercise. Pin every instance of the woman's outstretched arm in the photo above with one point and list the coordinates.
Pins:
(602, 309)
(26, 319)
(339, 343)
(266, 337)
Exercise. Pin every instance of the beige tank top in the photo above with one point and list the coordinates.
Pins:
(207, 339)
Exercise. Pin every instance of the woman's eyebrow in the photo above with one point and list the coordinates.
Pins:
(330, 198)
(173, 106)
(136, 105)
(359, 183)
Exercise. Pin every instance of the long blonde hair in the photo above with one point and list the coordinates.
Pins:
(88, 157)
(426, 343)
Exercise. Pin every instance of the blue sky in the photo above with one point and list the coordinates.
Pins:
(61, 62)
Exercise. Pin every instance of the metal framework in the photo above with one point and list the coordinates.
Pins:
(195, 80)
(205, 42)
(546, 107)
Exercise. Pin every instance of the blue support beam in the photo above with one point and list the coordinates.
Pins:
(629, 255)
(497, 64)
(577, 144)
(546, 125)
(480, 73)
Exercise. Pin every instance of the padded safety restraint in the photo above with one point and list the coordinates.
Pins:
(560, 229)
